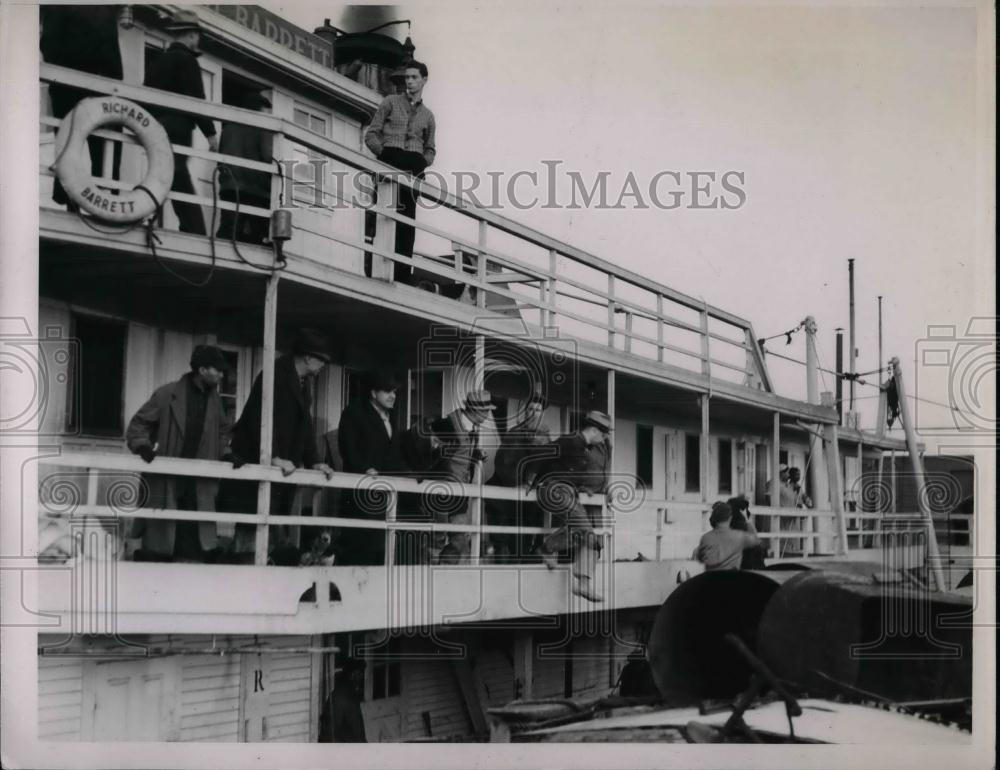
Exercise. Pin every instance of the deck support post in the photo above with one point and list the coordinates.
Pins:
(917, 466)
(266, 414)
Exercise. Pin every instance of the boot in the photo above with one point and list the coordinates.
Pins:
(584, 566)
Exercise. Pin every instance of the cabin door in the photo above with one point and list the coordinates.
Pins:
(133, 701)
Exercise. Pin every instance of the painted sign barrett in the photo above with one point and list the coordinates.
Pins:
(279, 31)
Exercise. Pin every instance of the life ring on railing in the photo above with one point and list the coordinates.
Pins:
(72, 164)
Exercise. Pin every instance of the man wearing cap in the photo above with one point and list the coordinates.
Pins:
(176, 70)
(401, 134)
(293, 443)
(236, 183)
(560, 481)
(369, 443)
(182, 419)
(455, 442)
(722, 547)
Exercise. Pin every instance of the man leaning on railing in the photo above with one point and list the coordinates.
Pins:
(182, 419)
(293, 442)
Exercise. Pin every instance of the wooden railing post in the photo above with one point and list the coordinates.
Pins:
(481, 265)
(659, 328)
(553, 287)
(706, 359)
(392, 499)
(384, 268)
(611, 310)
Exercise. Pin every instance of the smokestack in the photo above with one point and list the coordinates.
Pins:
(361, 18)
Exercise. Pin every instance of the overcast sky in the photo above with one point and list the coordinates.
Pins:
(856, 129)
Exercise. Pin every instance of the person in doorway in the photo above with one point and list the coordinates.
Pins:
(572, 470)
(182, 419)
(401, 135)
(293, 443)
(242, 185)
(342, 720)
(176, 70)
(722, 547)
(83, 38)
(369, 443)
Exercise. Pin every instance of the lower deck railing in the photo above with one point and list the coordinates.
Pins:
(108, 489)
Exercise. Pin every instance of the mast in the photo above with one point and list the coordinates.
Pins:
(853, 352)
(839, 387)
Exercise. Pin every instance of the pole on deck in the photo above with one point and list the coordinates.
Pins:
(817, 463)
(266, 412)
(839, 390)
(917, 467)
(775, 477)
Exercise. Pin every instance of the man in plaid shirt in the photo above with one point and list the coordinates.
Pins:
(402, 135)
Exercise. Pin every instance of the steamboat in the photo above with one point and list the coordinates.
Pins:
(254, 649)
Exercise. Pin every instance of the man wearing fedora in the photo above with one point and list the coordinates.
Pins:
(293, 443)
(176, 69)
(560, 481)
(455, 443)
(369, 443)
(182, 419)
(239, 184)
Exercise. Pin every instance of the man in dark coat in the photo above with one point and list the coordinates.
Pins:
(455, 444)
(85, 38)
(369, 443)
(177, 70)
(250, 188)
(573, 469)
(521, 450)
(293, 442)
(182, 419)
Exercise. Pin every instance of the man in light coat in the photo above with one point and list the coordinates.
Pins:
(182, 419)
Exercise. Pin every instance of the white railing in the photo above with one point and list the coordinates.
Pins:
(557, 285)
(658, 529)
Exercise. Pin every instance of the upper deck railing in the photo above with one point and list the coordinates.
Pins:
(506, 268)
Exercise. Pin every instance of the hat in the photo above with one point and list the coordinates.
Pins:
(183, 21)
(599, 420)
(720, 512)
(254, 100)
(208, 355)
(310, 342)
(479, 399)
(381, 379)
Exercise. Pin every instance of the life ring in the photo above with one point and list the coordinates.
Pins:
(72, 164)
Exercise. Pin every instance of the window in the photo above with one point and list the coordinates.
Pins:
(227, 388)
(98, 377)
(692, 463)
(311, 119)
(644, 454)
(387, 671)
(725, 466)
